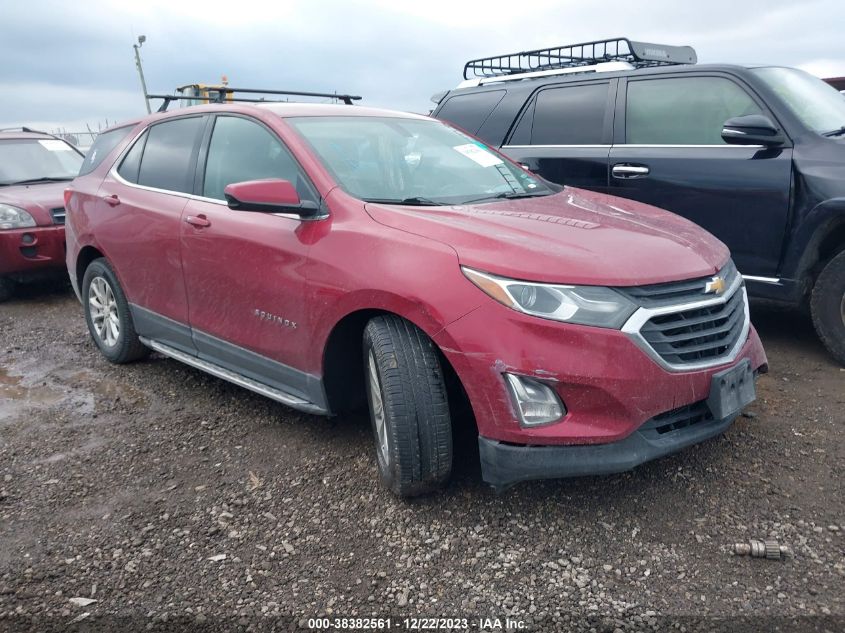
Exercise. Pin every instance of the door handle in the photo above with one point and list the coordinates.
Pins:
(111, 200)
(200, 221)
(628, 170)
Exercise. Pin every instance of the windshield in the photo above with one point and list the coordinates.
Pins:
(818, 105)
(24, 160)
(412, 161)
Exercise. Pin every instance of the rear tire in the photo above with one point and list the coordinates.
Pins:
(7, 289)
(409, 408)
(107, 315)
(828, 306)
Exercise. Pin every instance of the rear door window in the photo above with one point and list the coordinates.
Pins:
(570, 115)
(470, 111)
(683, 110)
(168, 157)
(102, 147)
(242, 150)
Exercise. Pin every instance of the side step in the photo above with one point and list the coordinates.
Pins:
(235, 378)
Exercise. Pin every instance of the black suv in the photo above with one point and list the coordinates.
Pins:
(754, 154)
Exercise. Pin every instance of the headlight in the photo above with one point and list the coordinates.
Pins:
(585, 305)
(14, 218)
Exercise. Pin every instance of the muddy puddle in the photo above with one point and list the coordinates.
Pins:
(25, 388)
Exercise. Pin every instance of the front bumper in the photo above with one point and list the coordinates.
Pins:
(609, 385)
(30, 251)
(503, 465)
(612, 389)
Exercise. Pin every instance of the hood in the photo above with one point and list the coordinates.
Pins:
(575, 237)
(36, 199)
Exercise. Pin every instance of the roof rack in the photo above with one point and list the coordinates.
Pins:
(638, 54)
(223, 94)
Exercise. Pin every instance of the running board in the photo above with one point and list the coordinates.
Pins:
(242, 381)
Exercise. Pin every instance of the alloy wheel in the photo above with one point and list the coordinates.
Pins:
(102, 306)
(377, 407)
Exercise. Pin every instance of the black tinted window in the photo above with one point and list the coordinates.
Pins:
(102, 147)
(684, 110)
(167, 163)
(131, 163)
(573, 115)
(471, 110)
(242, 150)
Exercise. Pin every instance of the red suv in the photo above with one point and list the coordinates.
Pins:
(323, 255)
(34, 170)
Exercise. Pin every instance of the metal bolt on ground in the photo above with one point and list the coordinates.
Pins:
(768, 548)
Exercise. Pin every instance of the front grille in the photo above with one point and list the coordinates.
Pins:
(678, 292)
(58, 215)
(698, 334)
(677, 419)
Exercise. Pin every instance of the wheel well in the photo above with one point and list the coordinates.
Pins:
(86, 256)
(343, 369)
(831, 245)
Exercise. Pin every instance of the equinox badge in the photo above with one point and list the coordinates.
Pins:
(267, 316)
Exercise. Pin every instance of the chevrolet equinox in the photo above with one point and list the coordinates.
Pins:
(327, 255)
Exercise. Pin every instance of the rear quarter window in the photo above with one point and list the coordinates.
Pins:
(470, 111)
(102, 147)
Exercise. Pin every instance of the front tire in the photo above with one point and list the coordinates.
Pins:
(107, 315)
(828, 306)
(409, 409)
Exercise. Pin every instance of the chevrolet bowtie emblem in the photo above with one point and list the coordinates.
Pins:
(715, 286)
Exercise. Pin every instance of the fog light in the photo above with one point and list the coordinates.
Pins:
(27, 238)
(536, 403)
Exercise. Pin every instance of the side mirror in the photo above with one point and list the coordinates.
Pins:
(753, 129)
(268, 196)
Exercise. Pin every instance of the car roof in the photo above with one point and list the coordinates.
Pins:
(331, 109)
(284, 110)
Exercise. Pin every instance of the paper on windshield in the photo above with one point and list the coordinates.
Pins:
(478, 154)
(55, 146)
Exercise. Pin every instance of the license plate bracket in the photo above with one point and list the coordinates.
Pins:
(731, 390)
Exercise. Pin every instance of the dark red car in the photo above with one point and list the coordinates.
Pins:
(34, 171)
(324, 254)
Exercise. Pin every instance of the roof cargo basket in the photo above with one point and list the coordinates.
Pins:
(638, 54)
(224, 94)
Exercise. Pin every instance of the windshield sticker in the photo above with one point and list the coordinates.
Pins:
(529, 182)
(481, 156)
(55, 146)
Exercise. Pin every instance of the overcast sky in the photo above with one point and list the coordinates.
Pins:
(71, 63)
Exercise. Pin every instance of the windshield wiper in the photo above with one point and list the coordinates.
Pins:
(837, 132)
(508, 195)
(32, 181)
(415, 201)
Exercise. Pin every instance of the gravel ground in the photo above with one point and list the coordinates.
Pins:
(177, 501)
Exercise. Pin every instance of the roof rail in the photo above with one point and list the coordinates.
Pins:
(638, 54)
(23, 128)
(29, 130)
(223, 94)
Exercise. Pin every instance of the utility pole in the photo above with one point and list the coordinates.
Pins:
(137, 47)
